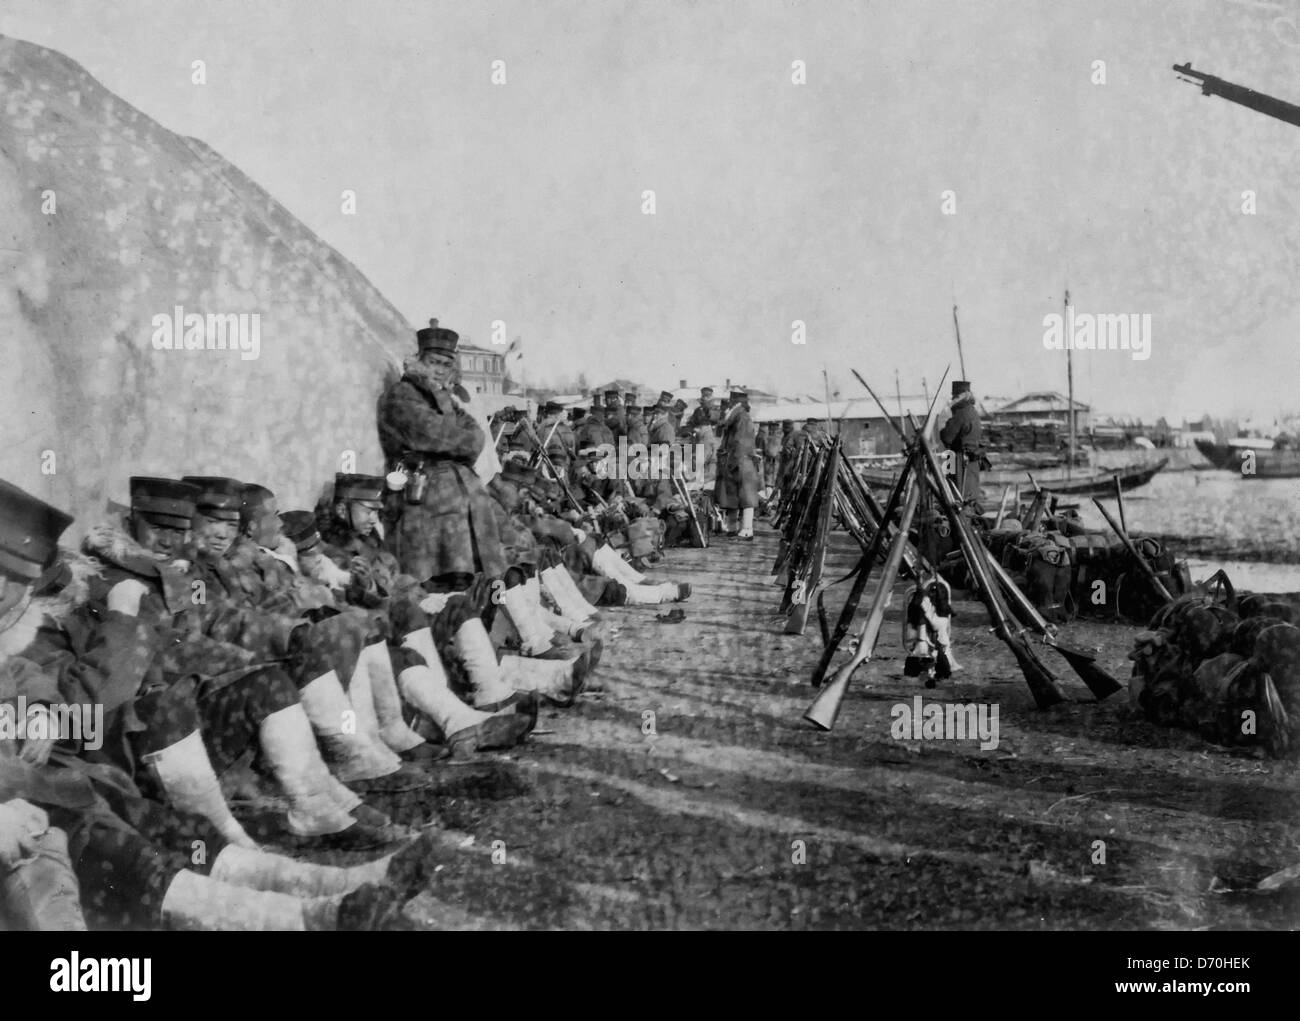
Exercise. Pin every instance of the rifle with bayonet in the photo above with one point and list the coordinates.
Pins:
(540, 456)
(806, 580)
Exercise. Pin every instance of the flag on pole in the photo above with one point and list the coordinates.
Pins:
(514, 362)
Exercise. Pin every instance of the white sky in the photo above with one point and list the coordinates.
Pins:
(775, 202)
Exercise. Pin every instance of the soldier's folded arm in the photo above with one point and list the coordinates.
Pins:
(415, 424)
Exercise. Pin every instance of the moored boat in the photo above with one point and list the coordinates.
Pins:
(1252, 457)
(1081, 483)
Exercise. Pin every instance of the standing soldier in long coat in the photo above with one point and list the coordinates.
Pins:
(448, 532)
(702, 421)
(615, 417)
(962, 435)
(737, 484)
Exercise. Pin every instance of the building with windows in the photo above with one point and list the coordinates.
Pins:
(482, 370)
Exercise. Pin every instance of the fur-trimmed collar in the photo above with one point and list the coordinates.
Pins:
(111, 543)
(18, 629)
(965, 397)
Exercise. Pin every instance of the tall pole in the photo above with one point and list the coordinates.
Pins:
(826, 382)
(925, 389)
(1069, 372)
(960, 357)
(898, 392)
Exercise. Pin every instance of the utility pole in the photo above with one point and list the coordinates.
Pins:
(1069, 372)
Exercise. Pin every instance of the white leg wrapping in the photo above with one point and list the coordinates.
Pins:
(421, 687)
(475, 649)
(392, 728)
(747, 522)
(185, 774)
(354, 752)
(534, 636)
(316, 804)
(261, 870)
(195, 902)
(611, 565)
(547, 676)
(553, 582)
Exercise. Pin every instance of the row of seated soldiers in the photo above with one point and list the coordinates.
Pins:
(211, 628)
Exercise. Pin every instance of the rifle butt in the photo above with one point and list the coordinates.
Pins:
(826, 706)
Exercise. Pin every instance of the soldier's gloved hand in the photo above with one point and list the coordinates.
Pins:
(36, 750)
(125, 596)
(20, 824)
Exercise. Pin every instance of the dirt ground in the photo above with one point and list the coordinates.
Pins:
(688, 793)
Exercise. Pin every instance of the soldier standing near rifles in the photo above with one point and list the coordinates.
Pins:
(962, 435)
(737, 484)
(703, 419)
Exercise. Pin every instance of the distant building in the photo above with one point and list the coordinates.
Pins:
(1043, 406)
(481, 371)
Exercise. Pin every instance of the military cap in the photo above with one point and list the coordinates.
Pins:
(167, 502)
(552, 408)
(959, 387)
(437, 338)
(814, 420)
(595, 399)
(577, 414)
(706, 391)
(300, 526)
(219, 497)
(665, 398)
(258, 500)
(616, 394)
(679, 405)
(738, 395)
(629, 398)
(29, 534)
(519, 473)
(366, 489)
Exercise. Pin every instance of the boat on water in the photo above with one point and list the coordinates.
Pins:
(1252, 457)
(880, 474)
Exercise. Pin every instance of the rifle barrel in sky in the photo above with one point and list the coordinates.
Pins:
(1212, 86)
